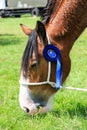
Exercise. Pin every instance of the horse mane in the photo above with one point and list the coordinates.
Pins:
(30, 47)
(49, 10)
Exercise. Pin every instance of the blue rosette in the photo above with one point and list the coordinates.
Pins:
(52, 54)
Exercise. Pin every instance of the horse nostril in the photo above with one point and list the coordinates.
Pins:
(27, 110)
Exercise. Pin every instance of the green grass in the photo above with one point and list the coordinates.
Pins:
(70, 107)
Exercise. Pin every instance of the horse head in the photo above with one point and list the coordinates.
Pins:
(35, 67)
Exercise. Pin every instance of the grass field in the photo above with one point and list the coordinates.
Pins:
(70, 107)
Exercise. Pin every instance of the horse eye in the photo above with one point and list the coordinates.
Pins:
(33, 65)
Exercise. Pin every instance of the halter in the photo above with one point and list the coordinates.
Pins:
(52, 54)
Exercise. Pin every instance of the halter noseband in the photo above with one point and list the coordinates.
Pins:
(52, 54)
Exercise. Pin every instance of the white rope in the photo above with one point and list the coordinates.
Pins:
(78, 89)
(49, 71)
(26, 84)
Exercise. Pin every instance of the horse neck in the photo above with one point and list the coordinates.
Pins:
(67, 23)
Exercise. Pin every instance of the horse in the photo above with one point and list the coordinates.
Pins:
(62, 23)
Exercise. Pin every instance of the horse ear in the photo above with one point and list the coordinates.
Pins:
(25, 29)
(41, 31)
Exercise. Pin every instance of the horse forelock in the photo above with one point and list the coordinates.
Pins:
(30, 48)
